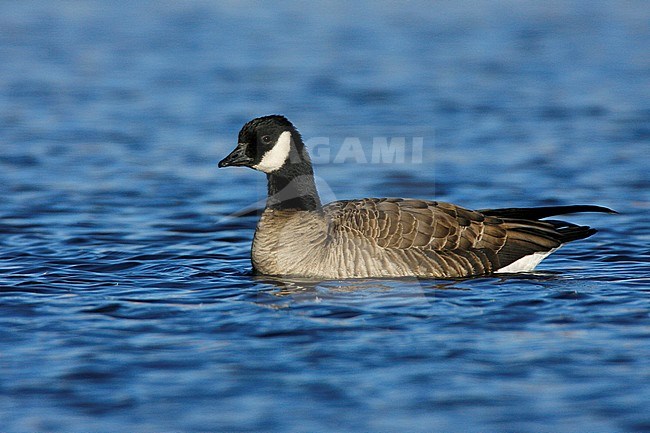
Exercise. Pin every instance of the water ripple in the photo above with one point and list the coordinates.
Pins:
(127, 298)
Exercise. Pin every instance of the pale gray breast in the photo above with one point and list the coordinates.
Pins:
(289, 242)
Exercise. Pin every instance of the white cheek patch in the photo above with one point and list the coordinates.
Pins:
(277, 156)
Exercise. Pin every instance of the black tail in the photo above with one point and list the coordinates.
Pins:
(527, 234)
(536, 213)
(571, 232)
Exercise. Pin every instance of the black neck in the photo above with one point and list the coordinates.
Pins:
(293, 188)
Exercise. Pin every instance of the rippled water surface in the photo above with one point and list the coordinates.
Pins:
(126, 296)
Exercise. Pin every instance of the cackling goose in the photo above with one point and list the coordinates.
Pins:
(383, 237)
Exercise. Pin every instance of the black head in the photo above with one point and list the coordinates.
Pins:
(272, 145)
(266, 144)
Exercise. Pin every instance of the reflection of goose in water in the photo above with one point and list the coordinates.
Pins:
(383, 237)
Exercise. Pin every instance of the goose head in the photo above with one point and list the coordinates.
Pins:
(270, 144)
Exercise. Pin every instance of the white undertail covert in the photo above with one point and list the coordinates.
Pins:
(526, 263)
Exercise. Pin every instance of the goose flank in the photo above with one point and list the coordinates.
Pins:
(383, 237)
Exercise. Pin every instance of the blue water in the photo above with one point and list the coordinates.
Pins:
(126, 296)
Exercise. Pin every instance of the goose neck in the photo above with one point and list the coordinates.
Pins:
(293, 188)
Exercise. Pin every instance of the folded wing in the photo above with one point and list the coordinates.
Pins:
(453, 240)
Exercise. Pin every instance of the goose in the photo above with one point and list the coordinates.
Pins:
(383, 237)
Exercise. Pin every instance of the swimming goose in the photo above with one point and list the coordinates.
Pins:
(382, 237)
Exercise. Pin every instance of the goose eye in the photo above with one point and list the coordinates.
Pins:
(266, 139)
